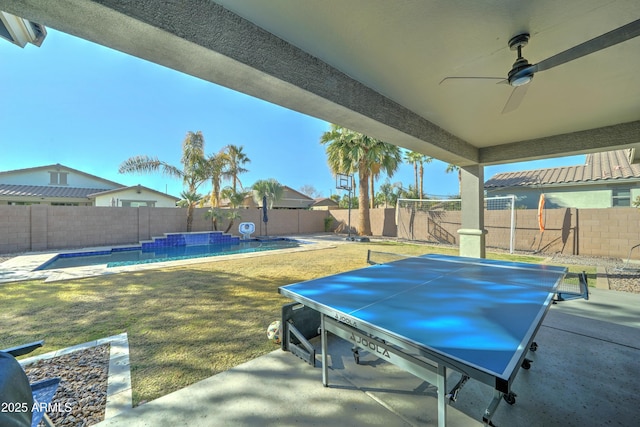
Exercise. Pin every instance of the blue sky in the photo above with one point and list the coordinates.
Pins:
(90, 108)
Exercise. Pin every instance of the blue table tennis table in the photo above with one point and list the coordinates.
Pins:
(431, 313)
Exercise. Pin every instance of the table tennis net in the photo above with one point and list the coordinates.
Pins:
(375, 257)
(573, 286)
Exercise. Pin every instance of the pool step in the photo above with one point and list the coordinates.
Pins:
(191, 239)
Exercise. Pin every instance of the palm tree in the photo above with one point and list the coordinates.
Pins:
(267, 187)
(214, 169)
(455, 168)
(236, 158)
(388, 194)
(193, 172)
(215, 166)
(235, 199)
(418, 160)
(190, 200)
(423, 160)
(351, 152)
(408, 193)
(414, 158)
(389, 158)
(215, 215)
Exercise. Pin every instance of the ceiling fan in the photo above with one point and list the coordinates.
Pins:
(522, 72)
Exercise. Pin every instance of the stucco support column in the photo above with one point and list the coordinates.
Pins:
(472, 233)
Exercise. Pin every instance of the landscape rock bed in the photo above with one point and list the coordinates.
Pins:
(81, 398)
(621, 277)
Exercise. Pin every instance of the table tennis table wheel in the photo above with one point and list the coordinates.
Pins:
(510, 398)
(526, 363)
(488, 422)
(356, 355)
(534, 346)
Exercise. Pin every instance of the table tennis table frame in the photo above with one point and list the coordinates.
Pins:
(417, 360)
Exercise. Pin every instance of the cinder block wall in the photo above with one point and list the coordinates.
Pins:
(15, 228)
(599, 232)
(44, 227)
(615, 229)
(383, 222)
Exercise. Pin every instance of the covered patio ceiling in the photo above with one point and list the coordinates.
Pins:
(378, 66)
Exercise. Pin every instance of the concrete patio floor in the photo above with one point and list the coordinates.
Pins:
(585, 373)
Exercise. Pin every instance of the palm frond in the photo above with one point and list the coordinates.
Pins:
(148, 164)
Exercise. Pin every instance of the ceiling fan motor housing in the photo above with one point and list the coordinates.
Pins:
(519, 74)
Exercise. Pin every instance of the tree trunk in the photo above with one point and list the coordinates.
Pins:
(421, 181)
(364, 227)
(189, 218)
(372, 201)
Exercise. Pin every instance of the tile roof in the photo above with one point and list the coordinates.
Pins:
(133, 187)
(14, 190)
(598, 167)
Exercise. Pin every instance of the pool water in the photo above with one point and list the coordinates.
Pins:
(140, 255)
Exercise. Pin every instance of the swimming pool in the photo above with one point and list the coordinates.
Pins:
(145, 254)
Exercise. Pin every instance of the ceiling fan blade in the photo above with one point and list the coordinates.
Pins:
(515, 99)
(471, 78)
(604, 41)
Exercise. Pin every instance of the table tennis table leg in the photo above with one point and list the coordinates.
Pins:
(323, 340)
(491, 409)
(442, 395)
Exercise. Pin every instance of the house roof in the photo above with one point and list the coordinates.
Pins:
(598, 168)
(122, 189)
(291, 199)
(15, 190)
(324, 201)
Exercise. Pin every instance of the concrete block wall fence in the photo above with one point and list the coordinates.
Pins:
(607, 232)
(598, 232)
(43, 227)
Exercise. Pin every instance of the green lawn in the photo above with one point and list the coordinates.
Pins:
(184, 323)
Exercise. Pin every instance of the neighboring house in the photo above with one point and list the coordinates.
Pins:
(134, 197)
(324, 204)
(291, 199)
(60, 185)
(605, 180)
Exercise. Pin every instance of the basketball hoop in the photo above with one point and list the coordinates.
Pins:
(343, 181)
